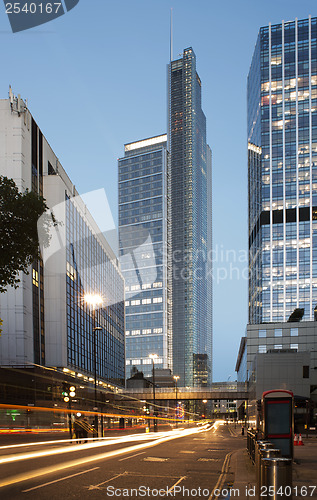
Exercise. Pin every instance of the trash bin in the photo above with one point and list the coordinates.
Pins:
(264, 453)
(277, 478)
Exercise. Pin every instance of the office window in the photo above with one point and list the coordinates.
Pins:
(306, 371)
(262, 349)
(146, 301)
(278, 332)
(278, 346)
(294, 332)
(156, 300)
(294, 346)
(262, 333)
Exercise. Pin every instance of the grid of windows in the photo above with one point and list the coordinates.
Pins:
(85, 253)
(191, 224)
(282, 155)
(144, 251)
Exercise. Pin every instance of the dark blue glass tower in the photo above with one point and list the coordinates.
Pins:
(190, 163)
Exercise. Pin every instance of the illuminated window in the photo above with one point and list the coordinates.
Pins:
(35, 279)
(156, 300)
(145, 286)
(146, 301)
(70, 271)
(262, 349)
(157, 330)
(157, 284)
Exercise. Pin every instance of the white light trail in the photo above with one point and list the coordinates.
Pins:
(93, 458)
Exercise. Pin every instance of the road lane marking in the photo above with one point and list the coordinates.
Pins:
(177, 482)
(97, 486)
(60, 479)
(222, 476)
(93, 458)
(131, 456)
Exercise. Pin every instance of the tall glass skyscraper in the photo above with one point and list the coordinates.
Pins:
(145, 252)
(190, 160)
(282, 171)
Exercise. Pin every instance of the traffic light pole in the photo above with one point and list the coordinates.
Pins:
(95, 372)
(70, 419)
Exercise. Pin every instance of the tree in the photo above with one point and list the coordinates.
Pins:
(19, 244)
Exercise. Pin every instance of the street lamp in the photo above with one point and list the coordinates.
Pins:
(205, 403)
(176, 377)
(94, 300)
(153, 357)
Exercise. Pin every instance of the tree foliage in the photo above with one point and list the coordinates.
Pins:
(19, 244)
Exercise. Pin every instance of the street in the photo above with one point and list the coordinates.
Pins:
(183, 462)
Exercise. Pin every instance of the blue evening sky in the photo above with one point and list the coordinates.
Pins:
(96, 78)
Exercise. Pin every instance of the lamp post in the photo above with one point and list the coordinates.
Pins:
(205, 403)
(153, 357)
(94, 300)
(176, 378)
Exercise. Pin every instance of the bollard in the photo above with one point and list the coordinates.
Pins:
(277, 478)
(264, 453)
(258, 446)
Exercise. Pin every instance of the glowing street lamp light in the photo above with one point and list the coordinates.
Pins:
(93, 300)
(205, 403)
(153, 357)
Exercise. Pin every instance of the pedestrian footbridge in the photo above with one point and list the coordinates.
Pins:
(221, 390)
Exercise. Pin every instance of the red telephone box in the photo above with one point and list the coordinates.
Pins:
(279, 420)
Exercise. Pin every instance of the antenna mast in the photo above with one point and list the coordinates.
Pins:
(171, 37)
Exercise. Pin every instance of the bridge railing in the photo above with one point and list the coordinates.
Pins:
(217, 386)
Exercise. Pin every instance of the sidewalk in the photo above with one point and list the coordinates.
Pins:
(304, 470)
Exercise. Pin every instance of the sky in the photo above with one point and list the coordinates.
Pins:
(95, 79)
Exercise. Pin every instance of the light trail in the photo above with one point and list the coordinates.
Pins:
(58, 441)
(86, 446)
(86, 460)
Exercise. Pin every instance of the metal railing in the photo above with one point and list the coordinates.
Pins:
(273, 472)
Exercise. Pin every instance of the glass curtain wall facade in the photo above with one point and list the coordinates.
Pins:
(282, 172)
(90, 270)
(145, 253)
(190, 159)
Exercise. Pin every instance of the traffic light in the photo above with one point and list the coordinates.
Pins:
(68, 391)
(65, 392)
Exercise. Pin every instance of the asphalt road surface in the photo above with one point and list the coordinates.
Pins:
(181, 463)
